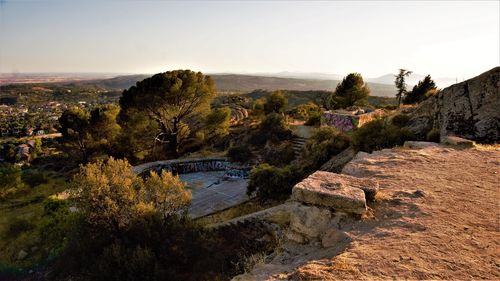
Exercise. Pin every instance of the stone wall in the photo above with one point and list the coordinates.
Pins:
(185, 166)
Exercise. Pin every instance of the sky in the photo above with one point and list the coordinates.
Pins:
(444, 38)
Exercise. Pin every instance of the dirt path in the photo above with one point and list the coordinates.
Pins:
(438, 217)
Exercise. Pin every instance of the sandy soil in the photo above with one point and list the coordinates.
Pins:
(437, 217)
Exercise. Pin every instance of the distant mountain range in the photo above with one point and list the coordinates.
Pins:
(380, 86)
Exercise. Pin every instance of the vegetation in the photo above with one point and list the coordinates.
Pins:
(401, 84)
(323, 145)
(272, 129)
(379, 134)
(434, 135)
(272, 183)
(279, 155)
(421, 91)
(275, 103)
(239, 153)
(88, 133)
(400, 120)
(175, 101)
(351, 91)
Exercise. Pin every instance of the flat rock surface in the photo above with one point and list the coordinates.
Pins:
(340, 192)
(438, 219)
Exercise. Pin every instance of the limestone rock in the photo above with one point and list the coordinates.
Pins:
(420, 126)
(419, 144)
(340, 192)
(469, 109)
(338, 161)
(309, 221)
(456, 141)
(334, 237)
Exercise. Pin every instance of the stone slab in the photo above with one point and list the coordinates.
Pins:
(341, 192)
(457, 141)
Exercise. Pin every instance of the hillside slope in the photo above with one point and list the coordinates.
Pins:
(433, 219)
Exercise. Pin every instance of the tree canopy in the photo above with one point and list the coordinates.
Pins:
(176, 101)
(421, 91)
(276, 103)
(351, 91)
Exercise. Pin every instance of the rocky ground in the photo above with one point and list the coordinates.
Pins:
(436, 216)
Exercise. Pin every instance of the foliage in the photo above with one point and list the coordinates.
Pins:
(10, 180)
(176, 101)
(217, 124)
(378, 134)
(421, 91)
(34, 177)
(273, 129)
(239, 153)
(323, 144)
(279, 155)
(313, 120)
(17, 226)
(74, 129)
(94, 132)
(103, 127)
(111, 195)
(351, 91)
(401, 84)
(276, 103)
(272, 183)
(400, 120)
(434, 135)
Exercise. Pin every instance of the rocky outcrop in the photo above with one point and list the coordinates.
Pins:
(469, 109)
(342, 193)
(337, 162)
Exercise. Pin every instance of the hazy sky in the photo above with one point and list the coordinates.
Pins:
(443, 38)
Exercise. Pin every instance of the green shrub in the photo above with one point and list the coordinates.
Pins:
(434, 135)
(17, 226)
(324, 143)
(378, 134)
(279, 155)
(272, 183)
(10, 180)
(272, 129)
(313, 120)
(34, 177)
(400, 120)
(239, 153)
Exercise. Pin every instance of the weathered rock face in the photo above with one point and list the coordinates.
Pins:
(340, 192)
(338, 161)
(470, 109)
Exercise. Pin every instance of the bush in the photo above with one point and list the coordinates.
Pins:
(434, 135)
(239, 153)
(323, 145)
(378, 134)
(272, 183)
(17, 226)
(400, 120)
(273, 129)
(279, 155)
(313, 120)
(34, 177)
(10, 180)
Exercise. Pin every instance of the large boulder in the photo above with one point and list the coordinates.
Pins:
(340, 192)
(308, 223)
(469, 109)
(337, 162)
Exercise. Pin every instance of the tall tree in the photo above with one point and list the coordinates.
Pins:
(401, 83)
(176, 101)
(74, 129)
(421, 91)
(351, 91)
